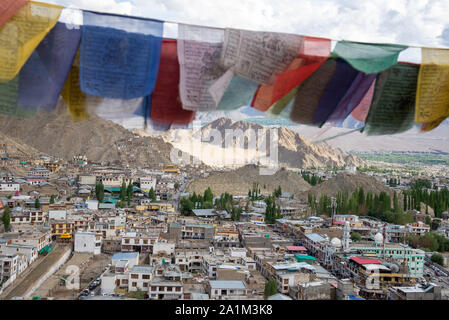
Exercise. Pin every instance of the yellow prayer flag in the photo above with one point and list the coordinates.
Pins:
(73, 96)
(77, 101)
(432, 95)
(22, 34)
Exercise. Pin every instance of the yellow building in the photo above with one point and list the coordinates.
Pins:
(155, 207)
(62, 228)
(170, 168)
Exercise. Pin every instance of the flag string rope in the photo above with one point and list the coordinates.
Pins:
(218, 28)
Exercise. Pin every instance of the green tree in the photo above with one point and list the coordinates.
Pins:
(186, 207)
(355, 236)
(152, 194)
(271, 288)
(37, 203)
(123, 191)
(52, 199)
(99, 192)
(177, 186)
(6, 218)
(437, 258)
(129, 193)
(208, 195)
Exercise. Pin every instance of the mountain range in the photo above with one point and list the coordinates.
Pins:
(294, 151)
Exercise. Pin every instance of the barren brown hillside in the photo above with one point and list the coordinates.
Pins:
(346, 181)
(239, 181)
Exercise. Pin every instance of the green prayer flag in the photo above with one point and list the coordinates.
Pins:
(368, 57)
(393, 107)
(238, 94)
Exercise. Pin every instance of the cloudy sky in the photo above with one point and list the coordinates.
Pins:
(411, 22)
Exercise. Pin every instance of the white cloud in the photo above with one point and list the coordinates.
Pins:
(411, 22)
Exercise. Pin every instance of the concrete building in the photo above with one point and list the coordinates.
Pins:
(432, 292)
(313, 290)
(88, 242)
(9, 187)
(146, 183)
(227, 289)
(140, 278)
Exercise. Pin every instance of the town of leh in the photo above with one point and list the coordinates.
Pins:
(106, 208)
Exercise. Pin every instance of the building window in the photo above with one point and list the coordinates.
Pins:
(146, 276)
(134, 284)
(134, 276)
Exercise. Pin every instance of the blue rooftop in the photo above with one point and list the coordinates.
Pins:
(315, 237)
(125, 255)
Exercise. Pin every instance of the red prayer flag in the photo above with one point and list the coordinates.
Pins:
(166, 105)
(8, 8)
(314, 53)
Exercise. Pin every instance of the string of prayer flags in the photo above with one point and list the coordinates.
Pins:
(353, 97)
(310, 91)
(368, 57)
(335, 91)
(8, 8)
(119, 55)
(166, 106)
(432, 96)
(43, 76)
(22, 34)
(361, 111)
(313, 53)
(198, 55)
(393, 106)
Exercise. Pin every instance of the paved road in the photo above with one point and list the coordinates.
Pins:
(39, 270)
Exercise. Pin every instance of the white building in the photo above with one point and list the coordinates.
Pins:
(88, 242)
(30, 252)
(139, 278)
(221, 289)
(163, 247)
(9, 187)
(131, 257)
(92, 204)
(33, 238)
(419, 228)
(57, 214)
(146, 183)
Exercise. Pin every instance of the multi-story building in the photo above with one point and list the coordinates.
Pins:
(191, 231)
(9, 186)
(62, 229)
(146, 183)
(30, 252)
(419, 228)
(140, 278)
(134, 241)
(37, 239)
